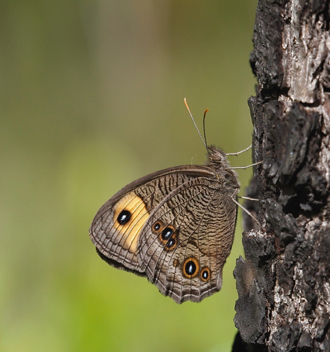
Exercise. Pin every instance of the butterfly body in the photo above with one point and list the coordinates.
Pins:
(175, 226)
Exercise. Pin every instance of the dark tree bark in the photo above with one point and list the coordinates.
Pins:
(284, 282)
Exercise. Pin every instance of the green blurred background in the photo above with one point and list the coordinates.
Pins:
(91, 99)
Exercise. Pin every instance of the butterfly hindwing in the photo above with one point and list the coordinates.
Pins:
(182, 245)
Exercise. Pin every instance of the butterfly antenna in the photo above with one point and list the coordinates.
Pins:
(204, 126)
(200, 135)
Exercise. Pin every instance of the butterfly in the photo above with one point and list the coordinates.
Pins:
(175, 226)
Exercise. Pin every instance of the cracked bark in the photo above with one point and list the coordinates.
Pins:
(284, 281)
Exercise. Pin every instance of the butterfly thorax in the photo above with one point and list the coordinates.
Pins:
(217, 160)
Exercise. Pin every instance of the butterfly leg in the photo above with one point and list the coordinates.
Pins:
(247, 212)
(240, 152)
(246, 167)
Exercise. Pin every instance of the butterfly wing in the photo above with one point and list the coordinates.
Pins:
(117, 227)
(187, 238)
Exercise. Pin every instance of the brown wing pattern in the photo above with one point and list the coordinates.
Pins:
(200, 215)
(170, 226)
(119, 243)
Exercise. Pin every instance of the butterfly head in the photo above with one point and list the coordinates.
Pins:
(218, 162)
(217, 157)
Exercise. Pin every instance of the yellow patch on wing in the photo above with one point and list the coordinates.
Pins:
(130, 231)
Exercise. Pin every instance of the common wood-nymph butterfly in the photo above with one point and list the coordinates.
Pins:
(175, 226)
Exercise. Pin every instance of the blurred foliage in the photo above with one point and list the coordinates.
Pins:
(91, 99)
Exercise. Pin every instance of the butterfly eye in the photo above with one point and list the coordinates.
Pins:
(157, 226)
(124, 217)
(167, 233)
(190, 267)
(168, 237)
(171, 243)
(205, 274)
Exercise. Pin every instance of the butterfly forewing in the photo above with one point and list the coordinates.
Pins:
(118, 240)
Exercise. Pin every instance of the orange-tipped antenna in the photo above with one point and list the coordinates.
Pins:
(200, 135)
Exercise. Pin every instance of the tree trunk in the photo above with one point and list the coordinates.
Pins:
(284, 282)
